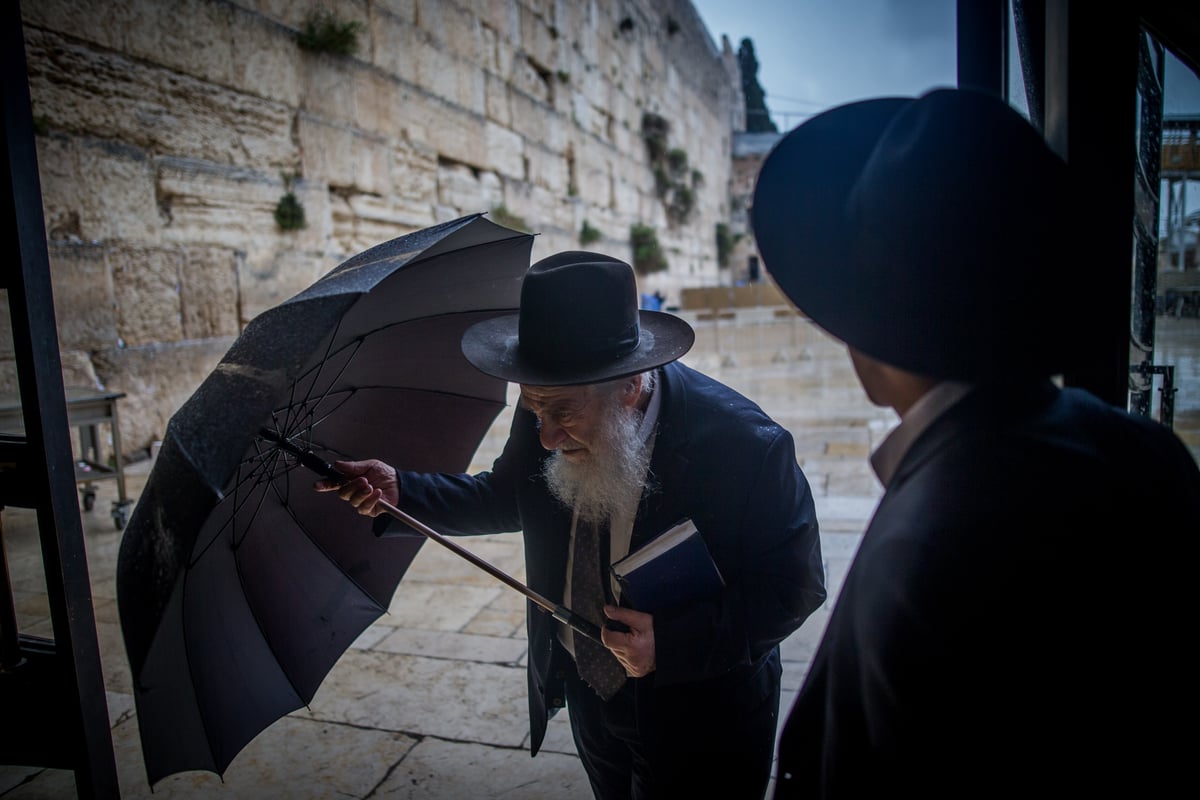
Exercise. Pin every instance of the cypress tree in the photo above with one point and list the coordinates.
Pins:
(758, 119)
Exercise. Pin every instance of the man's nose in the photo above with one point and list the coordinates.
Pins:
(551, 434)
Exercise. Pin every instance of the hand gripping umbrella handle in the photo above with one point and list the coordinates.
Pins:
(309, 459)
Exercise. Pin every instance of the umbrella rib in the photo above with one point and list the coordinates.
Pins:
(356, 344)
(304, 528)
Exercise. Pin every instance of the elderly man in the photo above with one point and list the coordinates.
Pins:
(996, 635)
(613, 443)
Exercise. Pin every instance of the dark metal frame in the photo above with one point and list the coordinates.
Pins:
(52, 691)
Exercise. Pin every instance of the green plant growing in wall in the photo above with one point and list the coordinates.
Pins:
(647, 254)
(675, 182)
(655, 129)
(325, 32)
(289, 211)
(502, 216)
(726, 241)
(588, 234)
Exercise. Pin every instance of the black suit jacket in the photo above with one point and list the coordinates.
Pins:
(1011, 624)
(717, 459)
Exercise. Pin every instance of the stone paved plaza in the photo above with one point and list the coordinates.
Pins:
(430, 701)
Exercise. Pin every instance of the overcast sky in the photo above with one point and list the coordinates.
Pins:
(814, 54)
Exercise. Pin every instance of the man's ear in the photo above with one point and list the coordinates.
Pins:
(631, 391)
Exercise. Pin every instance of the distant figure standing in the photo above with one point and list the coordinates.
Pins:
(1000, 632)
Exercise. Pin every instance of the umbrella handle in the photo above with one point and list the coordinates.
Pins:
(309, 459)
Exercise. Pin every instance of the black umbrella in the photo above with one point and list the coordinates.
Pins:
(239, 586)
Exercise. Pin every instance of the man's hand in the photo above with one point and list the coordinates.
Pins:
(635, 649)
(370, 481)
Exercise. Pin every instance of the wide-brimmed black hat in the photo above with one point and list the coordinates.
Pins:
(929, 233)
(578, 323)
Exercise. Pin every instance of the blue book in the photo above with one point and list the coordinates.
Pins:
(674, 567)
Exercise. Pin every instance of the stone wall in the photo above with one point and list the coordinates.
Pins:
(168, 131)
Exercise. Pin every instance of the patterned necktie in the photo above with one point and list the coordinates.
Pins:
(596, 663)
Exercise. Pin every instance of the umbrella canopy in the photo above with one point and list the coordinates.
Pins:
(238, 585)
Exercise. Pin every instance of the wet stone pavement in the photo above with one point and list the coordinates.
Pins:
(430, 701)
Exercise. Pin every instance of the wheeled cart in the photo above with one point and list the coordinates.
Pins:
(87, 410)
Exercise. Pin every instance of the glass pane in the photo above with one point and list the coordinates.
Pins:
(1177, 299)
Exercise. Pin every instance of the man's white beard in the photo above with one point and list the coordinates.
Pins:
(612, 477)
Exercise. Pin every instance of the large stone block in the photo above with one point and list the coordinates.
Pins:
(414, 173)
(156, 379)
(269, 277)
(94, 190)
(463, 188)
(496, 105)
(344, 157)
(540, 38)
(235, 208)
(506, 151)
(209, 292)
(84, 302)
(363, 221)
(325, 78)
(146, 284)
(112, 97)
(452, 131)
(394, 39)
(549, 170)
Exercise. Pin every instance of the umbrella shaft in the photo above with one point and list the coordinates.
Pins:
(413, 522)
(560, 613)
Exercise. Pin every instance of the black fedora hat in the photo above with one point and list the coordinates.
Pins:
(929, 233)
(578, 323)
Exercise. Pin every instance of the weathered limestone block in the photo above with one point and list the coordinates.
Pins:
(209, 292)
(543, 211)
(548, 170)
(84, 302)
(266, 59)
(506, 151)
(537, 122)
(394, 44)
(102, 22)
(94, 190)
(542, 41)
(235, 208)
(594, 170)
(450, 130)
(626, 198)
(218, 42)
(581, 111)
(78, 371)
(496, 103)
(325, 78)
(437, 70)
(461, 187)
(378, 96)
(414, 172)
(524, 77)
(157, 379)
(363, 221)
(403, 10)
(269, 277)
(146, 286)
(112, 97)
(458, 27)
(507, 52)
(344, 157)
